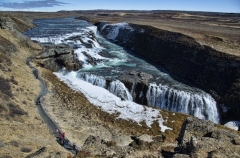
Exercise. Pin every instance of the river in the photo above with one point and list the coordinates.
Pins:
(103, 62)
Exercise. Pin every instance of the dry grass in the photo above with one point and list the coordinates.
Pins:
(83, 154)
(6, 46)
(18, 89)
(5, 87)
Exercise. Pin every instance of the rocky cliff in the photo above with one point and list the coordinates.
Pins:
(200, 138)
(55, 57)
(215, 72)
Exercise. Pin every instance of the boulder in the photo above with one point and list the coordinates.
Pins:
(201, 137)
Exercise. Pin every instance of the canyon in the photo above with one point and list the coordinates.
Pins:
(95, 130)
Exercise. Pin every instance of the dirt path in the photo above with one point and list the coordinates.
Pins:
(52, 125)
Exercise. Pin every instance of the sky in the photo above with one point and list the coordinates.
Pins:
(229, 6)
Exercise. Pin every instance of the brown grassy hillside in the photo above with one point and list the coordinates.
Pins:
(22, 130)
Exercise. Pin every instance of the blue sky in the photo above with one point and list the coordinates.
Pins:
(232, 6)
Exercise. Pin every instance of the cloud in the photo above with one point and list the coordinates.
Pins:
(32, 4)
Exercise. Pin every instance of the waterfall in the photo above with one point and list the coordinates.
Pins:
(119, 89)
(201, 105)
(93, 79)
(115, 87)
(133, 94)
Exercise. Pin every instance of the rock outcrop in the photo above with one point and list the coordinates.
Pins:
(137, 81)
(200, 138)
(15, 23)
(55, 57)
(216, 72)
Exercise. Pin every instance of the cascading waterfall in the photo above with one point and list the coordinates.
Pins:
(133, 91)
(119, 89)
(115, 87)
(201, 105)
(93, 79)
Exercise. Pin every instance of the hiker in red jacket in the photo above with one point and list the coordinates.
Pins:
(62, 138)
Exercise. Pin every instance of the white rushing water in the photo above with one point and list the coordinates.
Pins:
(200, 105)
(119, 89)
(93, 79)
(115, 87)
(90, 48)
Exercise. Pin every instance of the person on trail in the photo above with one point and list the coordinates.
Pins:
(65, 143)
(62, 138)
(58, 133)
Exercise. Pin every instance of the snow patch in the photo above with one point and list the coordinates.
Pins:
(233, 125)
(112, 104)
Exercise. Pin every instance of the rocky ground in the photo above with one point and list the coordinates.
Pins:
(98, 133)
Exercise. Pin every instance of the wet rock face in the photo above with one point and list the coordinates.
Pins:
(216, 72)
(201, 138)
(136, 76)
(55, 57)
(138, 81)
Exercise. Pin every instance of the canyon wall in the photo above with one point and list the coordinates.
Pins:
(215, 72)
